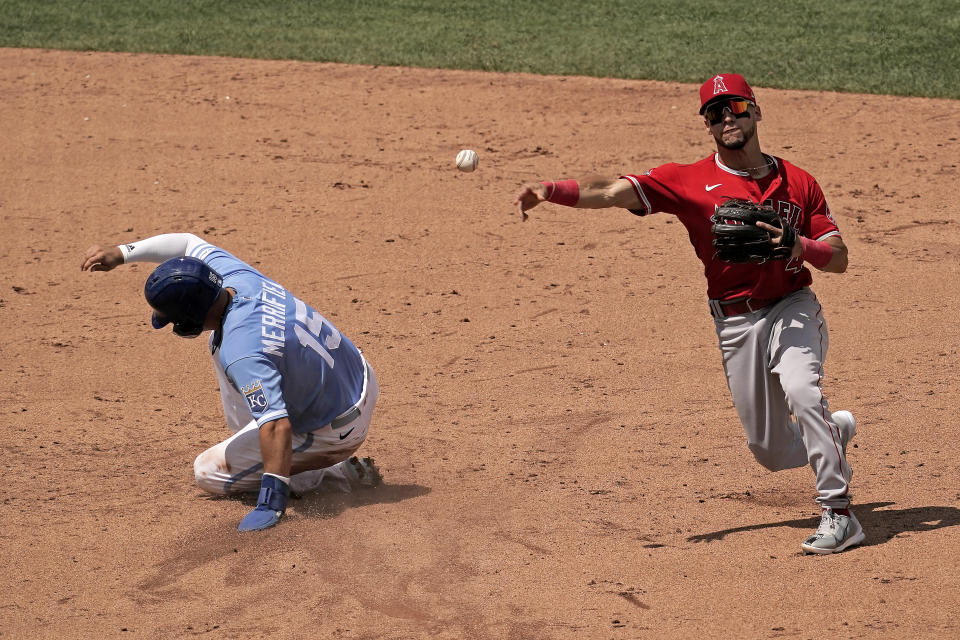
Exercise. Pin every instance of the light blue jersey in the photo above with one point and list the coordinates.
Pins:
(285, 358)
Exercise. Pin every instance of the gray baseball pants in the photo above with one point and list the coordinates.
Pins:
(773, 359)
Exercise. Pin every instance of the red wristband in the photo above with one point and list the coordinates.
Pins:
(565, 192)
(816, 253)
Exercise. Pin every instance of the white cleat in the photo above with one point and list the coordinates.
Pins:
(835, 533)
(362, 472)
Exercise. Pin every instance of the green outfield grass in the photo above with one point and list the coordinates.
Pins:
(904, 47)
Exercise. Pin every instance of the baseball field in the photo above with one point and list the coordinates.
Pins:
(560, 455)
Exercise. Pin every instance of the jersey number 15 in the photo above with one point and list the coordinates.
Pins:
(310, 328)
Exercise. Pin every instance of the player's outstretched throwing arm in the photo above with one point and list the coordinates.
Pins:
(155, 249)
(591, 193)
(829, 254)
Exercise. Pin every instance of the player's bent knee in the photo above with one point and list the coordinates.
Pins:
(766, 458)
(207, 475)
(210, 484)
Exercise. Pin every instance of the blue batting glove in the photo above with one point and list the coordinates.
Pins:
(271, 504)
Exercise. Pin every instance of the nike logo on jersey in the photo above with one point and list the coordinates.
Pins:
(344, 435)
(711, 187)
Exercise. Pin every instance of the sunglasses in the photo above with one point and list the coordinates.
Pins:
(737, 106)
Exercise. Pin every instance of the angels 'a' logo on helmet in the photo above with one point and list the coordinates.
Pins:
(718, 86)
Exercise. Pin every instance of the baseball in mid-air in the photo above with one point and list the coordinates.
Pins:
(467, 160)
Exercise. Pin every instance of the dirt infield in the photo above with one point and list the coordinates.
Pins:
(560, 453)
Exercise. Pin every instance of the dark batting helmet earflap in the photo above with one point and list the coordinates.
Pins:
(181, 291)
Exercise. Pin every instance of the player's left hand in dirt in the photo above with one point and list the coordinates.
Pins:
(745, 231)
(530, 196)
(98, 258)
(271, 503)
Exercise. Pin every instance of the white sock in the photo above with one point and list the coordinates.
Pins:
(285, 479)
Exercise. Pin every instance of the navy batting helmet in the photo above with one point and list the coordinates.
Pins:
(181, 291)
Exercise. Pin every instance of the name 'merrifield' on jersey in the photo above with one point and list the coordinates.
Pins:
(272, 318)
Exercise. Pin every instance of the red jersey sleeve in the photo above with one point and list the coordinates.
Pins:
(659, 189)
(819, 224)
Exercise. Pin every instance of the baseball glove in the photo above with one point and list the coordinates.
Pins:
(738, 239)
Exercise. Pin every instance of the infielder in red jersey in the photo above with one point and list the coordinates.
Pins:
(770, 326)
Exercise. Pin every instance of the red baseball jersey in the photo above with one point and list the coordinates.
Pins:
(693, 191)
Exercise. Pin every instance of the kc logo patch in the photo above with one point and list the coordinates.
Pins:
(255, 397)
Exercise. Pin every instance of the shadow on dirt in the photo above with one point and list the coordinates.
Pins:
(330, 503)
(879, 524)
